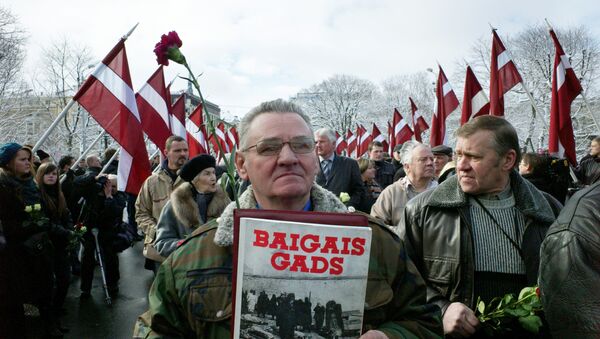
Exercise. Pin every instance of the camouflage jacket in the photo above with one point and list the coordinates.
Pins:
(191, 294)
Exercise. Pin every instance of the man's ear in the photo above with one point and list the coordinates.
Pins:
(240, 162)
(510, 160)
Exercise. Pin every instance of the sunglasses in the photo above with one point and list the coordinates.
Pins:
(272, 146)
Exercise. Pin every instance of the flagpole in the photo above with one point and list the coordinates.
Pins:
(87, 150)
(82, 155)
(126, 36)
(110, 160)
(70, 104)
(53, 125)
(587, 105)
(533, 104)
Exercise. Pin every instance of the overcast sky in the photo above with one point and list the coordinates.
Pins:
(252, 51)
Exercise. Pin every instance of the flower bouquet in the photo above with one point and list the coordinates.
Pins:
(505, 314)
(78, 232)
(37, 218)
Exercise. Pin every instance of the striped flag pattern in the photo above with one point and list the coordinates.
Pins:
(109, 98)
(565, 87)
(475, 102)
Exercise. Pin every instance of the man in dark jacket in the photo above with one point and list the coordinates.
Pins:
(478, 234)
(104, 211)
(385, 171)
(338, 173)
(569, 270)
(589, 167)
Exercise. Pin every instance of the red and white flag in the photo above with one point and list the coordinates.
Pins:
(178, 117)
(364, 139)
(219, 140)
(377, 136)
(108, 96)
(418, 121)
(340, 143)
(565, 87)
(196, 133)
(231, 138)
(402, 130)
(351, 140)
(503, 75)
(475, 102)
(447, 102)
(154, 113)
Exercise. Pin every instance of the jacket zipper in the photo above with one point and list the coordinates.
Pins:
(470, 229)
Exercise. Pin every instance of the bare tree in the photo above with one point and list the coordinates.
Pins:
(533, 51)
(397, 89)
(64, 64)
(339, 102)
(12, 53)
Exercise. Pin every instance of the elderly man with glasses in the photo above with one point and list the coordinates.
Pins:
(191, 295)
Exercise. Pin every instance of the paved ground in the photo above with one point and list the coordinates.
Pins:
(93, 318)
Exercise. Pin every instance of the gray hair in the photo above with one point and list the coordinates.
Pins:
(329, 133)
(274, 106)
(407, 150)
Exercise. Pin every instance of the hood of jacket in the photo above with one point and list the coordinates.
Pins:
(186, 210)
(528, 200)
(322, 201)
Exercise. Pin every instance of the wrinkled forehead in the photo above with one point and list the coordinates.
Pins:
(278, 125)
(479, 139)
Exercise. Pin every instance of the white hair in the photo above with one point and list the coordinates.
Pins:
(327, 132)
(407, 150)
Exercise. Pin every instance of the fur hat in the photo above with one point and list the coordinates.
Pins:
(8, 151)
(191, 169)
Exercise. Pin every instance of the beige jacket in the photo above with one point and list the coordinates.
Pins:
(153, 196)
(389, 206)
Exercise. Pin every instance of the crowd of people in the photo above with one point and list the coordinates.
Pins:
(50, 213)
(450, 226)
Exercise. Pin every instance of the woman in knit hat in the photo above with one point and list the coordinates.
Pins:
(192, 204)
(26, 262)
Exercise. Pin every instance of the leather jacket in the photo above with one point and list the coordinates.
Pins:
(437, 230)
(569, 274)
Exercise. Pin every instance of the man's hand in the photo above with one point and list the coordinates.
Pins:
(459, 321)
(108, 189)
(373, 334)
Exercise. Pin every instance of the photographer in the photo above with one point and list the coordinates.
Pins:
(83, 186)
(104, 211)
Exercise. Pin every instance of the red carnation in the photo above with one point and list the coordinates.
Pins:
(168, 49)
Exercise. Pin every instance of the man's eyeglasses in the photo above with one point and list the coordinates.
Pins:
(272, 146)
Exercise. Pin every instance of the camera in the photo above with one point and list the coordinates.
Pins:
(100, 182)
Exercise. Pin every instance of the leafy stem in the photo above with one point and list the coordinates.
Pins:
(229, 163)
